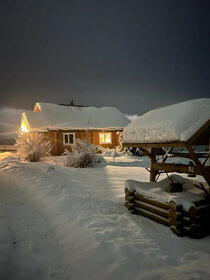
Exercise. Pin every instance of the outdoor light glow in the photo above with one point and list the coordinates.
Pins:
(24, 128)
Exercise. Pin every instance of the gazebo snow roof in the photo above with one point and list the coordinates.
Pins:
(175, 123)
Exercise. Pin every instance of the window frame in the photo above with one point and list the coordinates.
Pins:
(68, 133)
(104, 143)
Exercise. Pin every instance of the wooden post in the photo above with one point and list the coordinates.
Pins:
(153, 173)
(198, 164)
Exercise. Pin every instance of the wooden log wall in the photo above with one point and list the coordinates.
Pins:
(193, 223)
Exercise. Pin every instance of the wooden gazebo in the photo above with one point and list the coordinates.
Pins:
(175, 131)
(195, 132)
(201, 137)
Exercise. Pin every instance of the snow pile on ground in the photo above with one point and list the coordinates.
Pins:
(67, 223)
(172, 123)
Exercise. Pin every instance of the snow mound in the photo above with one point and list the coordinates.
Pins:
(177, 122)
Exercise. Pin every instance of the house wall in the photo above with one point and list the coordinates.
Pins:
(56, 138)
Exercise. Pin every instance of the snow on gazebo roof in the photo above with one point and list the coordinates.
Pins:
(53, 116)
(175, 123)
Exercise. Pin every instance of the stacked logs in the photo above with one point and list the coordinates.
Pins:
(193, 223)
(196, 222)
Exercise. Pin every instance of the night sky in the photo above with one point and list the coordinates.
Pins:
(134, 55)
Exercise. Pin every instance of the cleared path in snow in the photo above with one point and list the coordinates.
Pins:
(29, 248)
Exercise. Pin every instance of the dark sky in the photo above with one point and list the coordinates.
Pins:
(135, 55)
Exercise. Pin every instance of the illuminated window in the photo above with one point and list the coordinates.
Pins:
(105, 138)
(68, 138)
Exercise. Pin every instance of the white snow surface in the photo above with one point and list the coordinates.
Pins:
(177, 122)
(67, 223)
(159, 191)
(52, 116)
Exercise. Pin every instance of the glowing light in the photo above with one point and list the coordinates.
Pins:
(23, 128)
(105, 138)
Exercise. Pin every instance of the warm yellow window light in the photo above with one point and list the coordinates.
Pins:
(105, 138)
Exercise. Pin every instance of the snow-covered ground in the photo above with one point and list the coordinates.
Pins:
(66, 223)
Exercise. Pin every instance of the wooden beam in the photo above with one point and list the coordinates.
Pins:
(151, 201)
(147, 153)
(200, 168)
(151, 208)
(166, 154)
(155, 145)
(207, 157)
(153, 173)
(199, 132)
(175, 167)
(171, 167)
(152, 216)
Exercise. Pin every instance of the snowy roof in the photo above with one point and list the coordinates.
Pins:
(175, 123)
(52, 116)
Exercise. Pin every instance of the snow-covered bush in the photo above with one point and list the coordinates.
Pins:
(83, 155)
(32, 149)
(106, 152)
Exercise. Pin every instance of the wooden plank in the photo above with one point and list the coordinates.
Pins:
(177, 224)
(156, 145)
(151, 201)
(153, 172)
(128, 205)
(147, 153)
(207, 157)
(200, 168)
(197, 231)
(175, 167)
(175, 207)
(152, 216)
(195, 220)
(175, 215)
(151, 208)
(166, 154)
(129, 198)
(176, 231)
(197, 211)
(201, 203)
(127, 191)
(171, 167)
(198, 133)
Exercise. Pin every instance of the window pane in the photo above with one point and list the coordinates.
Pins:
(66, 139)
(101, 137)
(71, 138)
(107, 137)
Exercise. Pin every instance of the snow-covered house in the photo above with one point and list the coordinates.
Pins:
(63, 124)
(185, 125)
